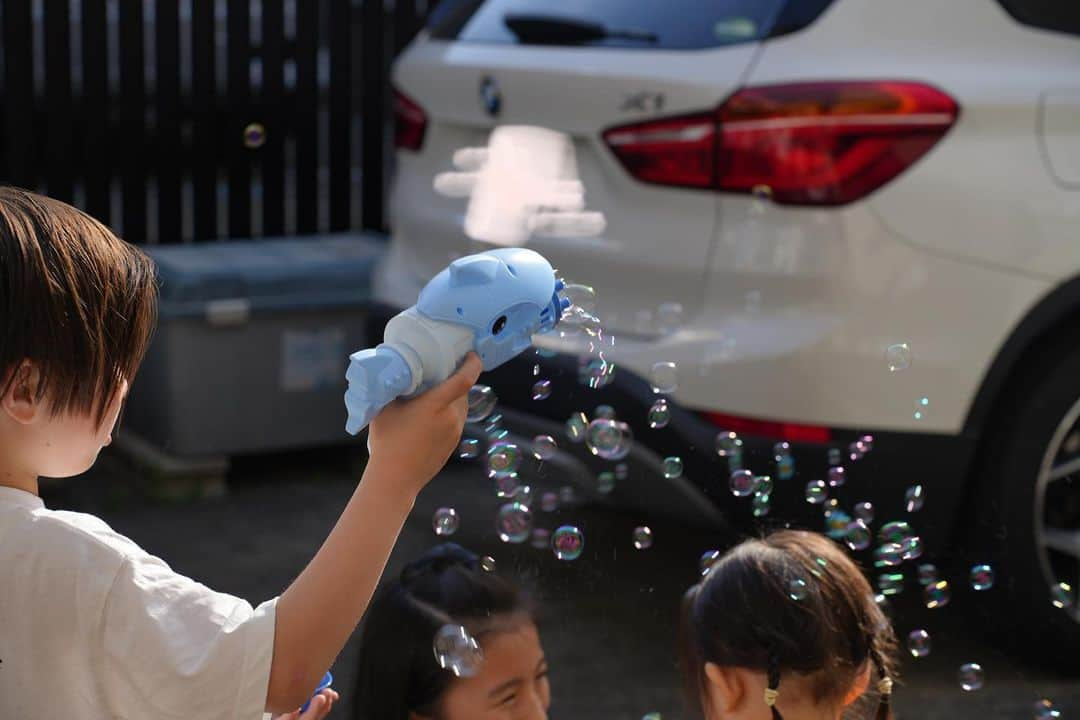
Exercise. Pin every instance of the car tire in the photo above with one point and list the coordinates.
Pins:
(1017, 504)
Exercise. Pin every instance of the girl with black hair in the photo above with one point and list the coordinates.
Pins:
(399, 677)
(786, 627)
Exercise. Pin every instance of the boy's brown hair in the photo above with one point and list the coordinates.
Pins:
(75, 301)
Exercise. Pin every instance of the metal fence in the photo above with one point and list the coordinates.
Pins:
(194, 120)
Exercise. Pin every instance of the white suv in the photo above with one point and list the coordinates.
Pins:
(865, 214)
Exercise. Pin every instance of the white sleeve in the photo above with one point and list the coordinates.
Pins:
(174, 648)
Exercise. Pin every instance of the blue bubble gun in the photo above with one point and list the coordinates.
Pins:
(491, 303)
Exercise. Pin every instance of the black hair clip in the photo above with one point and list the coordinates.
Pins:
(436, 561)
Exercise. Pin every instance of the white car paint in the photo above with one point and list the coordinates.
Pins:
(789, 310)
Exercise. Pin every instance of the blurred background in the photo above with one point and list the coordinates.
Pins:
(837, 289)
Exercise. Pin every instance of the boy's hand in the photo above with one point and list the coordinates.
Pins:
(319, 708)
(418, 435)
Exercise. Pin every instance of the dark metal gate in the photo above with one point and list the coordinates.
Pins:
(194, 120)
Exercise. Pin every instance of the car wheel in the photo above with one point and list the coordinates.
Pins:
(1028, 509)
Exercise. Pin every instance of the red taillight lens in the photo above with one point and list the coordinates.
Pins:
(792, 432)
(803, 144)
(675, 151)
(410, 122)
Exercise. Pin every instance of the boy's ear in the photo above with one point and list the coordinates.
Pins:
(725, 687)
(862, 682)
(20, 401)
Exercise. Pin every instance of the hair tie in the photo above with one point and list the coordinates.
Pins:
(884, 686)
(437, 560)
(770, 696)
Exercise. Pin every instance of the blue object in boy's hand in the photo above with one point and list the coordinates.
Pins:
(326, 681)
(491, 303)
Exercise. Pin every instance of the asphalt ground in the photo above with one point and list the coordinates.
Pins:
(608, 619)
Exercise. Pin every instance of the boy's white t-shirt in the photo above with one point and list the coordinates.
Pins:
(92, 626)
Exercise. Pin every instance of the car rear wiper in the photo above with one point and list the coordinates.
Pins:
(553, 30)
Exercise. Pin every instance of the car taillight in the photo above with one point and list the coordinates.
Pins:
(825, 143)
(410, 122)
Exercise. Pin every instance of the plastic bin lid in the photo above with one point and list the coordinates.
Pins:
(298, 271)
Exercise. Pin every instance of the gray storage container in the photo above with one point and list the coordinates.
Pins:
(252, 344)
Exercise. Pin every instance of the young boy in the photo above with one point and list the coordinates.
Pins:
(92, 626)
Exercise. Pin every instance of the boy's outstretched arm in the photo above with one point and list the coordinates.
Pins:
(410, 442)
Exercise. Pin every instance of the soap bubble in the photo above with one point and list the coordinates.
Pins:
(605, 482)
(912, 547)
(503, 460)
(481, 402)
(664, 377)
(858, 536)
(742, 483)
(567, 543)
(891, 583)
(895, 532)
(816, 492)
(487, 563)
(513, 523)
(728, 444)
(928, 574)
(457, 651)
(865, 512)
(763, 485)
(604, 412)
(652, 716)
(642, 538)
(580, 296)
(622, 471)
(673, 467)
(544, 447)
(937, 594)
(913, 498)
(659, 414)
(761, 505)
(1045, 710)
(541, 390)
(1061, 596)
(708, 559)
(898, 357)
(576, 426)
(866, 443)
(669, 317)
(549, 502)
(445, 521)
(566, 495)
(506, 486)
(836, 524)
(595, 372)
(469, 449)
(918, 643)
(971, 677)
(837, 476)
(798, 589)
(609, 439)
(982, 578)
(254, 136)
(524, 494)
(835, 458)
(536, 373)
(540, 538)
(888, 555)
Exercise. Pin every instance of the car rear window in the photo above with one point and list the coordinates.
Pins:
(669, 25)
(1059, 15)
